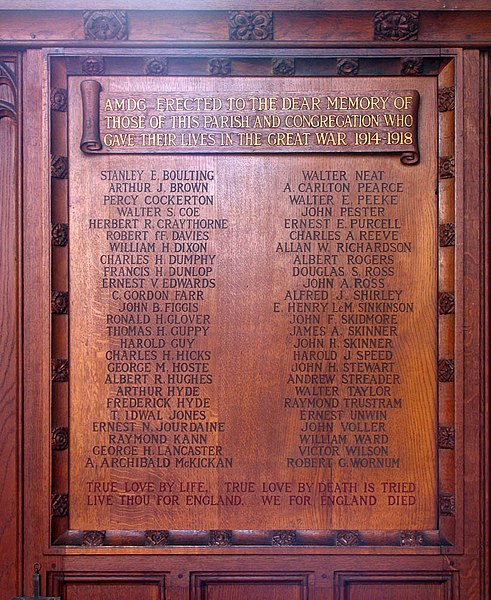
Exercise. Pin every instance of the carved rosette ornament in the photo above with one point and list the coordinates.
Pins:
(8, 78)
(411, 66)
(348, 66)
(446, 233)
(59, 99)
(93, 538)
(93, 65)
(220, 67)
(284, 538)
(446, 370)
(447, 505)
(106, 25)
(156, 537)
(446, 99)
(220, 537)
(60, 438)
(59, 370)
(412, 538)
(396, 25)
(283, 66)
(446, 167)
(59, 505)
(59, 167)
(59, 234)
(446, 303)
(250, 25)
(446, 438)
(157, 66)
(59, 303)
(348, 538)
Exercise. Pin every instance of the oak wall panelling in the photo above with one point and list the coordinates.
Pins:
(55, 353)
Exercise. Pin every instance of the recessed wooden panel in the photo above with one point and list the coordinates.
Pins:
(250, 346)
(251, 591)
(393, 586)
(110, 591)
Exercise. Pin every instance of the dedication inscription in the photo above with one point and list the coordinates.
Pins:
(253, 326)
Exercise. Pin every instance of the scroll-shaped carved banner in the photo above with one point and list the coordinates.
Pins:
(230, 122)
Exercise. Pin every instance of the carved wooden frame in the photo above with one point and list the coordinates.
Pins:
(264, 62)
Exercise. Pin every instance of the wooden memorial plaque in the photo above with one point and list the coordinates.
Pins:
(253, 312)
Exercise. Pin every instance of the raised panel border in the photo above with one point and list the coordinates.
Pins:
(343, 580)
(56, 580)
(261, 63)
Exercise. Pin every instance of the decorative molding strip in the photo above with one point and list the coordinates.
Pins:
(446, 438)
(446, 99)
(157, 66)
(220, 67)
(447, 505)
(283, 66)
(284, 538)
(59, 99)
(59, 505)
(155, 537)
(8, 78)
(59, 303)
(93, 538)
(59, 438)
(248, 538)
(93, 65)
(59, 167)
(59, 234)
(446, 167)
(347, 66)
(412, 538)
(250, 25)
(106, 25)
(446, 233)
(446, 370)
(348, 538)
(411, 66)
(220, 537)
(396, 25)
(59, 370)
(446, 303)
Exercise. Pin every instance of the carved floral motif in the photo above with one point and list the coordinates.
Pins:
(396, 25)
(59, 370)
(59, 234)
(220, 537)
(348, 538)
(446, 438)
(106, 25)
(59, 303)
(59, 167)
(446, 303)
(348, 66)
(156, 537)
(446, 167)
(446, 99)
(93, 538)
(284, 538)
(59, 99)
(60, 438)
(412, 538)
(411, 66)
(59, 505)
(157, 66)
(446, 233)
(283, 66)
(220, 67)
(247, 25)
(446, 370)
(93, 65)
(447, 505)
